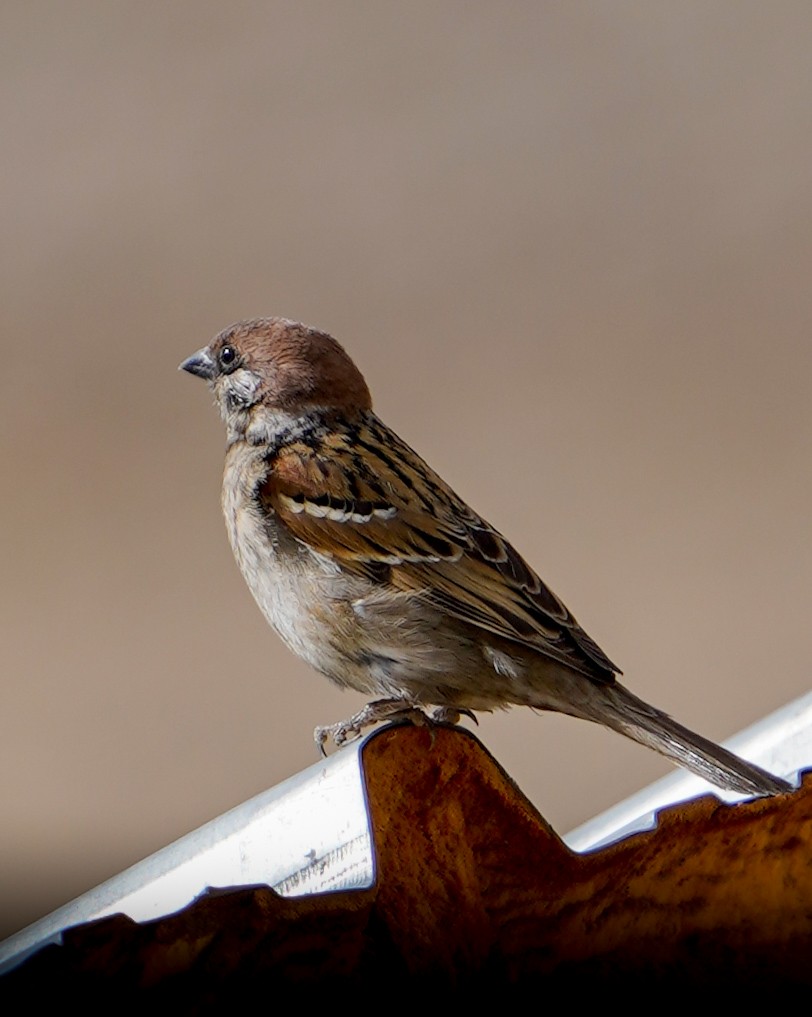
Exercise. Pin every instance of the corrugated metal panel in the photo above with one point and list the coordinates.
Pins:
(311, 834)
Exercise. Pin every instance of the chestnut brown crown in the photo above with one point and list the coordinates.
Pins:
(283, 364)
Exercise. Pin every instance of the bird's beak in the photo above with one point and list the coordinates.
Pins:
(199, 363)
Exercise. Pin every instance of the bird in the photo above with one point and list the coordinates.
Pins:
(370, 568)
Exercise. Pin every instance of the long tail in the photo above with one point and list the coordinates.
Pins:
(619, 709)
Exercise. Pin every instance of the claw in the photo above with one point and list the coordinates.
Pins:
(322, 735)
(452, 714)
(386, 709)
(373, 713)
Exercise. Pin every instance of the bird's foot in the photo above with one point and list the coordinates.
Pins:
(452, 715)
(372, 713)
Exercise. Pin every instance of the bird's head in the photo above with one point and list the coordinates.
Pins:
(275, 368)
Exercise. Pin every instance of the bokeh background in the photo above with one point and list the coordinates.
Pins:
(570, 245)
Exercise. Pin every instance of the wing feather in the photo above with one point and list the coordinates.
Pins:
(365, 498)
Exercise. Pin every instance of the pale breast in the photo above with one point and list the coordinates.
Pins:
(272, 563)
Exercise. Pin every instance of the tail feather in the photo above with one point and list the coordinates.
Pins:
(622, 711)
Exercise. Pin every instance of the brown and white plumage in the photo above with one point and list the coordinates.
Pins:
(373, 570)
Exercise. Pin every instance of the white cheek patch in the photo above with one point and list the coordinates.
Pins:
(240, 387)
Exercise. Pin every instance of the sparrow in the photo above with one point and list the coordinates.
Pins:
(376, 573)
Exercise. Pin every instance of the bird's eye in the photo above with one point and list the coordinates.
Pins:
(228, 358)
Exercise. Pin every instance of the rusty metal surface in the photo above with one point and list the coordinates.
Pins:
(311, 834)
(474, 887)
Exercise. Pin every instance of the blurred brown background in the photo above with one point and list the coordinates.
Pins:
(570, 245)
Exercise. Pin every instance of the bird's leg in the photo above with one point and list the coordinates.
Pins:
(372, 713)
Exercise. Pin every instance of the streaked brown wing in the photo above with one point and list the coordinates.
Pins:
(364, 497)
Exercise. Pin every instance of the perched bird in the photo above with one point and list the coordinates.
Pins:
(377, 574)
